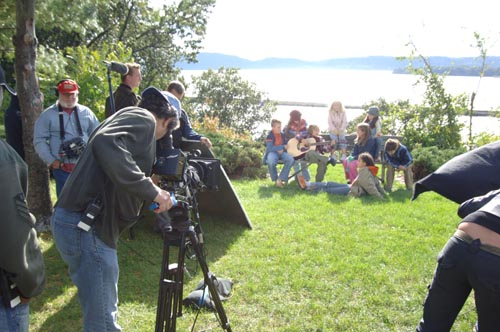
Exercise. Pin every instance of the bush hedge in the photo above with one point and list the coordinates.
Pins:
(428, 159)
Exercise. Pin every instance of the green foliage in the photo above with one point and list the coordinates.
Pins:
(240, 157)
(428, 159)
(156, 38)
(225, 95)
(435, 122)
(7, 30)
(418, 124)
(86, 67)
(484, 138)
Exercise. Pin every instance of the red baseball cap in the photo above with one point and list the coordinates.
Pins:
(67, 86)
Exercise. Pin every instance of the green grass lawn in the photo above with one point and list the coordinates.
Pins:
(312, 262)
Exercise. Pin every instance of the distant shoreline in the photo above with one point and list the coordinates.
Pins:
(465, 66)
(355, 107)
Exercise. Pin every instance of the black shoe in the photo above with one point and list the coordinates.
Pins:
(332, 161)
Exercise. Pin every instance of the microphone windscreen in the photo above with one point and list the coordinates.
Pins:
(119, 68)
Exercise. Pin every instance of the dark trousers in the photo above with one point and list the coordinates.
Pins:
(60, 176)
(461, 268)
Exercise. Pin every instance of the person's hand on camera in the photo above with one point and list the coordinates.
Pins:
(164, 201)
(155, 178)
(206, 141)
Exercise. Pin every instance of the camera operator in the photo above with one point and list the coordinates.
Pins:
(124, 95)
(176, 90)
(21, 260)
(104, 196)
(62, 131)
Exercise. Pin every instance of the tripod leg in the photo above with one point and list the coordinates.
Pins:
(209, 281)
(171, 282)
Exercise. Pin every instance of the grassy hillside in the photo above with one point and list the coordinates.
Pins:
(313, 262)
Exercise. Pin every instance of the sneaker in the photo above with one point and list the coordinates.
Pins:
(279, 183)
(332, 161)
(302, 182)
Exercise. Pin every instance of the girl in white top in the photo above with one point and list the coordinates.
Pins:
(337, 124)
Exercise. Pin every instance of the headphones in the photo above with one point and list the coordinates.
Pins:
(62, 81)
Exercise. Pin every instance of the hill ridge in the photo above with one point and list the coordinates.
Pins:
(440, 63)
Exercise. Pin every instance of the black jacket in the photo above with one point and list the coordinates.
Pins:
(115, 165)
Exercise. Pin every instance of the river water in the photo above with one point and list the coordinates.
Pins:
(319, 87)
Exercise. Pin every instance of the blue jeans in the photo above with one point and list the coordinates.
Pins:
(60, 176)
(93, 268)
(272, 161)
(330, 187)
(461, 268)
(300, 166)
(14, 319)
(340, 141)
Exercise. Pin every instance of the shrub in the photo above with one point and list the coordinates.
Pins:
(239, 154)
(239, 157)
(484, 138)
(428, 159)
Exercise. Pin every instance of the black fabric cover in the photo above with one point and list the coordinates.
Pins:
(201, 297)
(468, 175)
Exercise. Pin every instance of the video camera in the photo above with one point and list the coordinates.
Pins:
(185, 174)
(179, 169)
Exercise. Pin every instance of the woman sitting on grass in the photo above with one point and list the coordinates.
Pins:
(367, 183)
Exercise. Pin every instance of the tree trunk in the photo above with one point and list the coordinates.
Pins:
(31, 104)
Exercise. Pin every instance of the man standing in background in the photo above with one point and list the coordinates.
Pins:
(62, 131)
(124, 95)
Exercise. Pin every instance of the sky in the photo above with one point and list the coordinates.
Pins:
(324, 29)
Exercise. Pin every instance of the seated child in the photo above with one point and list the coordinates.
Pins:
(275, 150)
(367, 183)
(373, 119)
(398, 159)
(297, 128)
(364, 143)
(329, 187)
(317, 146)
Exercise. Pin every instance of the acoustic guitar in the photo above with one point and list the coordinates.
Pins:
(296, 148)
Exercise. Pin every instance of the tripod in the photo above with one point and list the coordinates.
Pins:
(171, 281)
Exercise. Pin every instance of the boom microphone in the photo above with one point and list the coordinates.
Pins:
(118, 67)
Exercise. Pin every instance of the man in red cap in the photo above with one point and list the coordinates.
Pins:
(62, 131)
